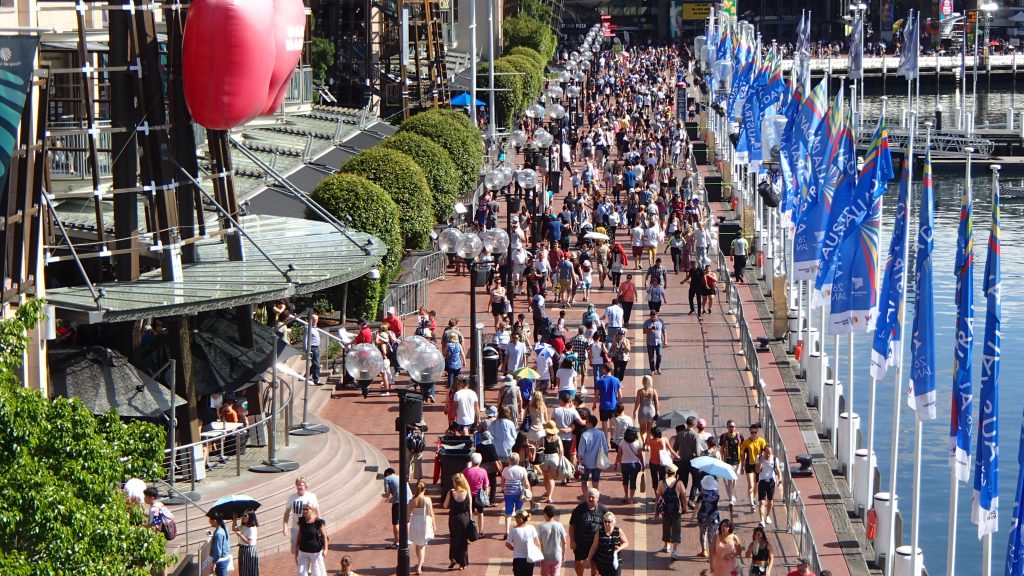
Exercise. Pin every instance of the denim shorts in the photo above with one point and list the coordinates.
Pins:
(592, 474)
(513, 502)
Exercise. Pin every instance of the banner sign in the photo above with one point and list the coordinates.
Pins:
(17, 60)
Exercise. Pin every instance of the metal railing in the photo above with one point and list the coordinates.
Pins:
(68, 150)
(408, 297)
(189, 553)
(253, 451)
(796, 516)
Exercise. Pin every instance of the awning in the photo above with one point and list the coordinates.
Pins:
(320, 256)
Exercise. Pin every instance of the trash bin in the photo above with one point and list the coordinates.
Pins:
(700, 152)
(727, 232)
(491, 358)
(715, 188)
(692, 130)
(455, 454)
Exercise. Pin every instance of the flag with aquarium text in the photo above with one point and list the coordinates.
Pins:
(985, 508)
(960, 420)
(17, 60)
(888, 330)
(922, 335)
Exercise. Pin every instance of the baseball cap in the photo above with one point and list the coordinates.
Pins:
(492, 410)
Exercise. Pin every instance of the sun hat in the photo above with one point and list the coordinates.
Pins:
(709, 483)
(550, 427)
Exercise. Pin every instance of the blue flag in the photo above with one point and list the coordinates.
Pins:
(856, 59)
(922, 347)
(1015, 546)
(963, 394)
(911, 48)
(839, 194)
(888, 331)
(848, 211)
(803, 51)
(855, 290)
(985, 509)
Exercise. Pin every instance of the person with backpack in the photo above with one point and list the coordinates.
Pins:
(158, 516)
(670, 496)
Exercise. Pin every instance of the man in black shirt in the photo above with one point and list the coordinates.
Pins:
(695, 276)
(584, 525)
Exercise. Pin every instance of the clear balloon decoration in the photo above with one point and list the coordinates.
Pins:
(426, 364)
(557, 111)
(364, 362)
(556, 92)
(493, 180)
(572, 91)
(519, 138)
(407, 347)
(495, 241)
(527, 178)
(542, 137)
(469, 247)
(448, 240)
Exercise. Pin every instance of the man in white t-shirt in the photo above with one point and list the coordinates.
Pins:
(293, 511)
(613, 318)
(467, 406)
(544, 364)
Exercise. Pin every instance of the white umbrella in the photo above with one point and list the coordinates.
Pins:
(595, 236)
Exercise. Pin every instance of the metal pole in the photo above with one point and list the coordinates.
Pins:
(172, 424)
(491, 39)
(472, 61)
(403, 485)
(474, 341)
(272, 464)
(308, 344)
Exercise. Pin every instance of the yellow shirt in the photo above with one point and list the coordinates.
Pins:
(750, 449)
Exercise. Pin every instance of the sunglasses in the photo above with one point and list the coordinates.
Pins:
(609, 522)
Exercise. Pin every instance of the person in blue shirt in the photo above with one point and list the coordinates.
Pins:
(588, 449)
(607, 395)
(220, 547)
(555, 230)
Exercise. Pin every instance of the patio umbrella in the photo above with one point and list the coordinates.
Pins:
(526, 373)
(464, 99)
(675, 418)
(714, 466)
(103, 379)
(544, 349)
(234, 505)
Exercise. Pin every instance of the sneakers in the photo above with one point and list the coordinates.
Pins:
(732, 500)
(768, 520)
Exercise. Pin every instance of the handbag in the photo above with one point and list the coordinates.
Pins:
(507, 306)
(483, 498)
(526, 495)
(602, 459)
(565, 468)
(532, 478)
(533, 553)
(472, 532)
(643, 481)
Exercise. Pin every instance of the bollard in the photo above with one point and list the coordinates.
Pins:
(814, 342)
(883, 502)
(938, 117)
(814, 379)
(794, 328)
(862, 470)
(846, 444)
(904, 562)
(1010, 116)
(829, 411)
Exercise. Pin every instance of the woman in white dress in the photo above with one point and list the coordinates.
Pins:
(421, 523)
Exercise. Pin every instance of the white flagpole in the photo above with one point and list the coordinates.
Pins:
(898, 392)
(849, 412)
(915, 498)
(954, 485)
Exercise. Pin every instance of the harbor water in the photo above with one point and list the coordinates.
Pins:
(934, 457)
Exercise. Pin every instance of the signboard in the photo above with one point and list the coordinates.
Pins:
(945, 9)
(17, 59)
(699, 11)
(972, 16)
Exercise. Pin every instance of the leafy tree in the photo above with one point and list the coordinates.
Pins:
(406, 183)
(441, 172)
(322, 56)
(60, 508)
(532, 75)
(372, 211)
(523, 30)
(457, 136)
(530, 53)
(510, 98)
(539, 10)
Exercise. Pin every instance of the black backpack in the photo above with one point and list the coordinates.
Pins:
(670, 500)
(415, 442)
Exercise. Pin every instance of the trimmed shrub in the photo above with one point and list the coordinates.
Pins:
(463, 144)
(510, 99)
(522, 30)
(374, 212)
(442, 174)
(529, 53)
(458, 116)
(533, 81)
(406, 183)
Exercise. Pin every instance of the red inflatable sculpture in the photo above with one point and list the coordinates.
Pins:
(237, 58)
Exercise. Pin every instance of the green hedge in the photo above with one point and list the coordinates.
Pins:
(523, 30)
(461, 141)
(442, 174)
(407, 185)
(533, 81)
(510, 99)
(372, 211)
(459, 117)
(530, 53)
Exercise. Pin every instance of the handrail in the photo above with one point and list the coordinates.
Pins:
(170, 457)
(796, 516)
